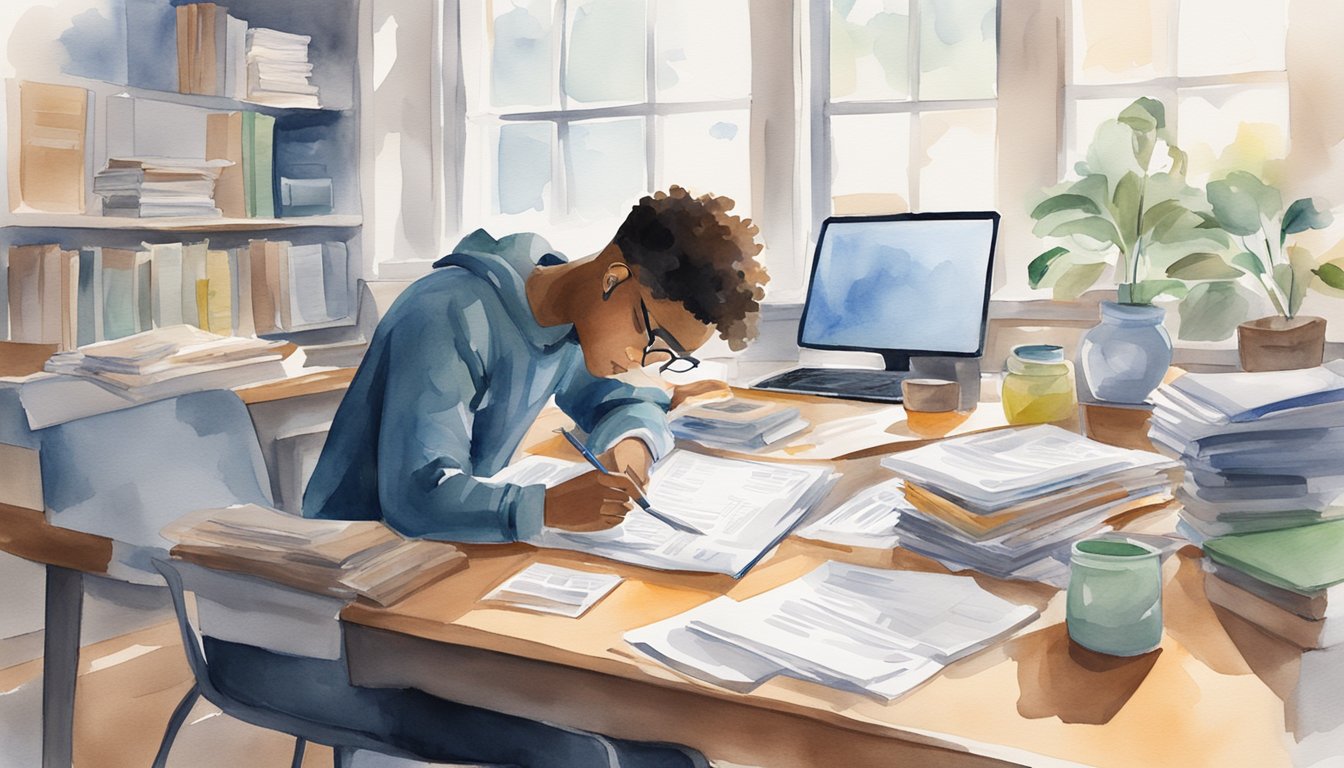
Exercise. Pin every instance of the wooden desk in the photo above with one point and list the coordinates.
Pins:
(1213, 695)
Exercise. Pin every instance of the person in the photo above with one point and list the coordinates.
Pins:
(456, 373)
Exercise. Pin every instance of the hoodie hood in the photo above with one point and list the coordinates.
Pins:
(506, 264)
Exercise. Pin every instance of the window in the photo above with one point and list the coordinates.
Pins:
(904, 102)
(576, 108)
(1217, 65)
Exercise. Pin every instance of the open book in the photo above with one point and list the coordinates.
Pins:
(743, 507)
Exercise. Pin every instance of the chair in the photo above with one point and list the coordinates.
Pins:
(343, 742)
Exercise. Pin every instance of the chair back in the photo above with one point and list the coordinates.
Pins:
(126, 474)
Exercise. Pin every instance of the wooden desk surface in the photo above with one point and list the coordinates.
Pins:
(1038, 700)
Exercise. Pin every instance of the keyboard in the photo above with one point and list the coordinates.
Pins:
(850, 383)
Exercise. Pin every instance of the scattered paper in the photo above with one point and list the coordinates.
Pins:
(553, 589)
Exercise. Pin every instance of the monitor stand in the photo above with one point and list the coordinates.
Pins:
(963, 370)
(896, 361)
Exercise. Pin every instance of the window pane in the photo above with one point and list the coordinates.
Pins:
(958, 167)
(707, 153)
(1219, 37)
(605, 60)
(703, 50)
(522, 56)
(1230, 127)
(870, 163)
(523, 167)
(1120, 42)
(1086, 115)
(870, 49)
(605, 162)
(958, 49)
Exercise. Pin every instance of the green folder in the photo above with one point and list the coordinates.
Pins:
(1306, 559)
(259, 164)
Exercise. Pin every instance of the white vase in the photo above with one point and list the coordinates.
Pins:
(1125, 357)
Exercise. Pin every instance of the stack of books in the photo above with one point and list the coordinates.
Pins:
(1009, 503)
(335, 557)
(1290, 582)
(741, 425)
(1261, 450)
(278, 69)
(158, 186)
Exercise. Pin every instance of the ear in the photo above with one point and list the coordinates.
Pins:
(614, 275)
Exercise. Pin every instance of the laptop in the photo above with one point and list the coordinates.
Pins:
(903, 286)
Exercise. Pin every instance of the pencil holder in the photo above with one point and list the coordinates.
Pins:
(1115, 596)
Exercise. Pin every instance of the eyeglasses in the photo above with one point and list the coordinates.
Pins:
(672, 357)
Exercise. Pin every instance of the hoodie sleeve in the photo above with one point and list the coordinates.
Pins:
(425, 482)
(610, 409)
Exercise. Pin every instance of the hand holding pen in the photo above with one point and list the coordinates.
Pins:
(638, 497)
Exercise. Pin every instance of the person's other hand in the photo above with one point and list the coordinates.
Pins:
(698, 392)
(590, 502)
(630, 457)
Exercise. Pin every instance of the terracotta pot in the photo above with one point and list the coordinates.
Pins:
(1281, 344)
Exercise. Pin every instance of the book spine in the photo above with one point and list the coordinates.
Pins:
(224, 141)
(219, 294)
(142, 291)
(263, 302)
(264, 158)
(336, 279)
(89, 325)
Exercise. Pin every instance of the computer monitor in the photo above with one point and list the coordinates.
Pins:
(901, 285)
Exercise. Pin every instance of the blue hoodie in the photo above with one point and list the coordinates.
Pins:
(456, 373)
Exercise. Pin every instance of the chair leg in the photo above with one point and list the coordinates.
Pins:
(299, 745)
(175, 724)
(342, 757)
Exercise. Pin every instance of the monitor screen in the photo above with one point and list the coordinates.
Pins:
(907, 282)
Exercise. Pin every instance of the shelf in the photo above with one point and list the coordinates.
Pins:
(173, 224)
(217, 103)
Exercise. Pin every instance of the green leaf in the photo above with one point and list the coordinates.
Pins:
(1212, 311)
(1202, 266)
(1144, 291)
(1249, 262)
(1041, 264)
(1094, 227)
(1163, 211)
(1144, 115)
(1302, 215)
(1240, 200)
(1331, 275)
(1286, 278)
(1064, 202)
(1303, 264)
(1076, 278)
(1125, 207)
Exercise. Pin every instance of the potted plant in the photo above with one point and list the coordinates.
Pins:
(1131, 209)
(1252, 213)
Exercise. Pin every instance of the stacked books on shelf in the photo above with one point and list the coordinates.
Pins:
(278, 69)
(873, 631)
(159, 186)
(1290, 582)
(1261, 450)
(220, 55)
(336, 557)
(737, 424)
(1009, 503)
(74, 298)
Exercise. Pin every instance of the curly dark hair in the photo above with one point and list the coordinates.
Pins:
(691, 250)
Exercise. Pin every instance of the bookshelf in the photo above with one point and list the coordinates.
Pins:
(297, 187)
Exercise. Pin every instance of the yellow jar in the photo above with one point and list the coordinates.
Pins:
(1038, 387)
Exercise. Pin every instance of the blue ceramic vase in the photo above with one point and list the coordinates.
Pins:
(1125, 357)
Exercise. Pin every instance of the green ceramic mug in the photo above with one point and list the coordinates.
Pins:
(1115, 596)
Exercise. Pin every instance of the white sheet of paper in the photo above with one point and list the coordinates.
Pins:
(553, 589)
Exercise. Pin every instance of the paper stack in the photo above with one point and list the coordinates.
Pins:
(1262, 451)
(159, 186)
(868, 630)
(1009, 503)
(336, 557)
(1289, 581)
(278, 69)
(737, 424)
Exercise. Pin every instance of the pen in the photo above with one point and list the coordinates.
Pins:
(639, 499)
